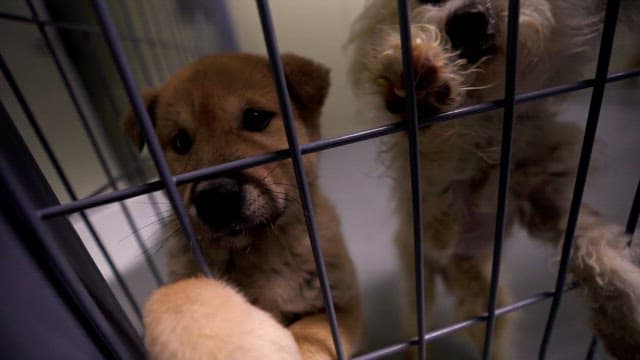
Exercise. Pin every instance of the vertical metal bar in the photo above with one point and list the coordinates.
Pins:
(505, 160)
(139, 55)
(632, 221)
(225, 31)
(195, 51)
(137, 167)
(180, 32)
(414, 160)
(140, 111)
(593, 346)
(125, 209)
(604, 57)
(72, 94)
(296, 158)
(162, 66)
(172, 28)
(65, 181)
(152, 11)
(146, 254)
(91, 136)
(63, 256)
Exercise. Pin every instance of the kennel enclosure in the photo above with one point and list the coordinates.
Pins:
(44, 251)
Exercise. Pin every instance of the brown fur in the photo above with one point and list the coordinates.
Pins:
(268, 260)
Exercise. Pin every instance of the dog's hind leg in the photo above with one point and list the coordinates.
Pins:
(601, 260)
(404, 236)
(609, 271)
(468, 280)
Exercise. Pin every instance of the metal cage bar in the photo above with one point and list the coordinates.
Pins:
(505, 161)
(634, 214)
(296, 159)
(317, 146)
(33, 123)
(84, 121)
(150, 30)
(110, 36)
(296, 151)
(139, 53)
(602, 68)
(414, 164)
(147, 30)
(138, 171)
(93, 29)
(438, 333)
(179, 57)
(59, 252)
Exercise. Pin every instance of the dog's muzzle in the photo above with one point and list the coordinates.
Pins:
(219, 202)
(471, 30)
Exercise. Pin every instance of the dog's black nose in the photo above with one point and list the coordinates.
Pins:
(471, 31)
(218, 202)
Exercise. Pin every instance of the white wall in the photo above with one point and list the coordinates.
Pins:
(317, 30)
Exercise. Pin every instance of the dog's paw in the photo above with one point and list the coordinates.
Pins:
(202, 318)
(437, 81)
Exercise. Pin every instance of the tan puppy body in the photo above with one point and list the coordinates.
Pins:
(279, 276)
(249, 223)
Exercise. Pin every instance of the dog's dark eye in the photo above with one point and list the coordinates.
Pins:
(256, 120)
(181, 142)
(431, 2)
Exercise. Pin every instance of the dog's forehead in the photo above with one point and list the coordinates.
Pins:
(215, 87)
(227, 72)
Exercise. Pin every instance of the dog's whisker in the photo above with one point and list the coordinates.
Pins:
(140, 229)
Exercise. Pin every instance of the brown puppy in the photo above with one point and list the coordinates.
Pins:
(249, 223)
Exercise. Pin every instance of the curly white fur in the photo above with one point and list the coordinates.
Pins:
(460, 159)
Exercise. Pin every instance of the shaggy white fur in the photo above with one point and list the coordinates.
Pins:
(459, 51)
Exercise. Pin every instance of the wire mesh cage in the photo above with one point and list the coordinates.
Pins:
(88, 62)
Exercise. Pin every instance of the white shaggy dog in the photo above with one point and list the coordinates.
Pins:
(459, 51)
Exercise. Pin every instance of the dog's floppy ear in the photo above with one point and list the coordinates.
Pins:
(308, 84)
(129, 122)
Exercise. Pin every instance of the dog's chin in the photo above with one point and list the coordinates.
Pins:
(235, 236)
(233, 240)
(239, 234)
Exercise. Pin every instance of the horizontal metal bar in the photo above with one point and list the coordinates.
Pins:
(435, 334)
(57, 24)
(316, 146)
(106, 186)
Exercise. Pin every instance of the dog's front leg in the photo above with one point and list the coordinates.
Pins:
(200, 318)
(313, 335)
